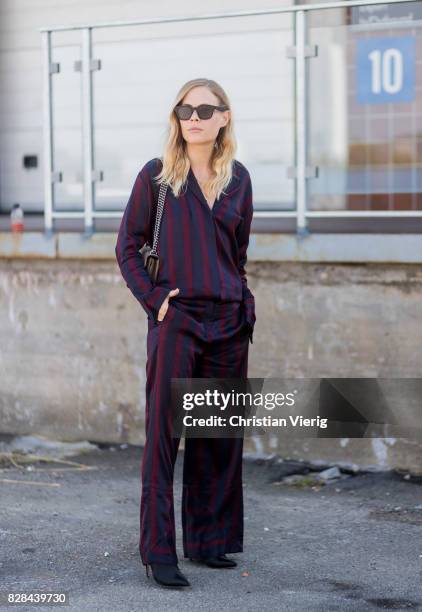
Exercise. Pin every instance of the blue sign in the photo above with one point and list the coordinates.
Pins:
(386, 69)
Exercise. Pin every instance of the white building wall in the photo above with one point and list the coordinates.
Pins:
(142, 69)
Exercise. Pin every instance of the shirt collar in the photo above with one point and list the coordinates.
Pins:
(233, 186)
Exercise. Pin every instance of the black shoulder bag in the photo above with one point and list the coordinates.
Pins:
(150, 255)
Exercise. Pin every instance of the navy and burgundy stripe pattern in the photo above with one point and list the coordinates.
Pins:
(201, 339)
(205, 333)
(202, 250)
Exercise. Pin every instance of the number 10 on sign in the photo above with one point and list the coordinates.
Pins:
(386, 70)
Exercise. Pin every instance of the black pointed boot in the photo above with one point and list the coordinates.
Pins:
(167, 575)
(220, 561)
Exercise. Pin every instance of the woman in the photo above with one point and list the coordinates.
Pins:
(201, 316)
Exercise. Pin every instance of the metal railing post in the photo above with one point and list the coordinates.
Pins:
(301, 135)
(87, 129)
(47, 133)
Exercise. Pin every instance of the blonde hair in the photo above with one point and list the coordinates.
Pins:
(176, 163)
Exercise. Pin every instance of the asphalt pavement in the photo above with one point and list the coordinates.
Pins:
(348, 543)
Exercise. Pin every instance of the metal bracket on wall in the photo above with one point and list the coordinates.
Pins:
(310, 172)
(57, 177)
(309, 51)
(95, 64)
(97, 176)
(54, 67)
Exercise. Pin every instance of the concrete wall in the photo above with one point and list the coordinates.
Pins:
(72, 355)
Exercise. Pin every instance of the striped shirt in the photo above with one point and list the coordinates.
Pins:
(202, 250)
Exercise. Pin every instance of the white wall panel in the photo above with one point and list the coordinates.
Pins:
(142, 69)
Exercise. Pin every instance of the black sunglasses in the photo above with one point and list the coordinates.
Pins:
(205, 111)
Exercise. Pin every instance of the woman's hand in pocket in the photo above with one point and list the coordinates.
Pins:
(164, 306)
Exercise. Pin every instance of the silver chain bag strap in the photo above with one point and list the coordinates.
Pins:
(150, 255)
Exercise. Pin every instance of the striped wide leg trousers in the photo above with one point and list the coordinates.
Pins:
(196, 339)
